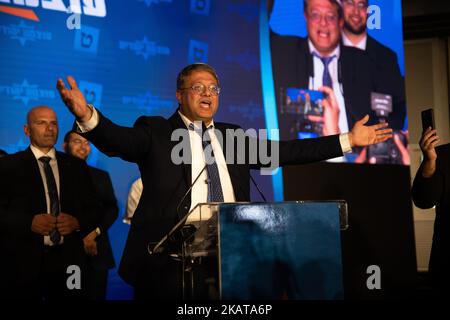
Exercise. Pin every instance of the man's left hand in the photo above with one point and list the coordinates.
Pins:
(90, 245)
(362, 135)
(66, 224)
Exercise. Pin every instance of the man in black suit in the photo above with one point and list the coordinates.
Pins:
(166, 194)
(431, 188)
(386, 70)
(97, 241)
(320, 61)
(45, 203)
(385, 60)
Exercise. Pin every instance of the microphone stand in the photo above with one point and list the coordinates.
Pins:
(158, 247)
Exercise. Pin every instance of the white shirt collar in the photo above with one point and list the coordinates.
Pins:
(38, 153)
(336, 52)
(197, 124)
(361, 45)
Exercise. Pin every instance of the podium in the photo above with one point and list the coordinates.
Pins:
(289, 250)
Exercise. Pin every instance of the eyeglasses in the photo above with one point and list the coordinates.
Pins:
(360, 5)
(316, 17)
(201, 89)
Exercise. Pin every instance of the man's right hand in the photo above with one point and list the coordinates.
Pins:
(330, 112)
(74, 99)
(428, 143)
(43, 224)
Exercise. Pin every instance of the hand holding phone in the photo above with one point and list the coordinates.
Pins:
(428, 119)
(429, 138)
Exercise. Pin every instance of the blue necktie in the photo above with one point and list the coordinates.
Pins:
(215, 193)
(53, 195)
(326, 78)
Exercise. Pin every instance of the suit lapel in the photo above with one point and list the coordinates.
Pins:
(63, 170)
(304, 62)
(348, 80)
(369, 44)
(34, 180)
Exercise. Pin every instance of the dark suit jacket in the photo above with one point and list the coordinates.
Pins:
(107, 214)
(389, 78)
(292, 65)
(435, 191)
(149, 145)
(22, 196)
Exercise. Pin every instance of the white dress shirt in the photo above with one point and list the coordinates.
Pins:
(54, 165)
(316, 82)
(361, 45)
(199, 192)
(133, 199)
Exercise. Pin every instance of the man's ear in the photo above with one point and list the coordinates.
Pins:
(26, 129)
(178, 95)
(64, 146)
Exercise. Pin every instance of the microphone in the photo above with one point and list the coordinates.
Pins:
(257, 188)
(158, 247)
(189, 190)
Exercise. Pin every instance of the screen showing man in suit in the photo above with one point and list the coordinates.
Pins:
(354, 34)
(170, 188)
(96, 244)
(361, 82)
(45, 211)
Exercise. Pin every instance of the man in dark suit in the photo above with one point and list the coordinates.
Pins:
(386, 70)
(97, 241)
(45, 208)
(170, 190)
(385, 60)
(321, 61)
(431, 188)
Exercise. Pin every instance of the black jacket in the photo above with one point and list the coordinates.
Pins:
(22, 196)
(435, 191)
(389, 78)
(107, 214)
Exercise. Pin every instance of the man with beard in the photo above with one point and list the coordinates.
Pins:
(355, 33)
(390, 80)
(347, 75)
(96, 244)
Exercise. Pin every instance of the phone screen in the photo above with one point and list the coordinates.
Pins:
(428, 119)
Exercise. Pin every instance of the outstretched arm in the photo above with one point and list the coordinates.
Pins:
(74, 100)
(362, 135)
(113, 140)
